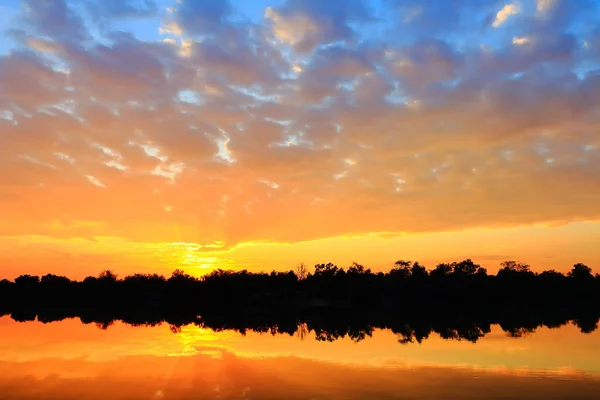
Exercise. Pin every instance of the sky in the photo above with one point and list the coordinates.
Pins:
(144, 136)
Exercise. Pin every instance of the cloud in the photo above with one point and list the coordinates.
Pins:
(241, 130)
(521, 40)
(505, 13)
(107, 14)
(291, 30)
(198, 17)
(544, 6)
(123, 8)
(434, 18)
(54, 19)
(304, 24)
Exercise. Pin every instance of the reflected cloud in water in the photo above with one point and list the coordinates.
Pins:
(229, 376)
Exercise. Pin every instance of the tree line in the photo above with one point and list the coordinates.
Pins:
(456, 300)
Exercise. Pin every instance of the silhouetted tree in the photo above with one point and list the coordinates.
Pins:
(581, 272)
(441, 271)
(301, 272)
(108, 276)
(358, 269)
(417, 271)
(326, 270)
(402, 269)
(514, 268)
(27, 282)
(465, 268)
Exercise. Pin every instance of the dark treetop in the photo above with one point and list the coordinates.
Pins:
(457, 300)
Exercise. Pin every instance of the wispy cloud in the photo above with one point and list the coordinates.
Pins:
(505, 13)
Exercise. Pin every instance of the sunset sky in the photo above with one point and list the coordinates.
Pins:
(144, 136)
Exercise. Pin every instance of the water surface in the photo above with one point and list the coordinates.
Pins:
(70, 360)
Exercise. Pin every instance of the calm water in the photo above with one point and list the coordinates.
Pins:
(69, 360)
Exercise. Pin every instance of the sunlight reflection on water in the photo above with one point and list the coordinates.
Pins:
(183, 365)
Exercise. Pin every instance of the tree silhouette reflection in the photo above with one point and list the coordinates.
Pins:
(457, 301)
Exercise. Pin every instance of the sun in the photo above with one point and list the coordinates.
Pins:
(197, 259)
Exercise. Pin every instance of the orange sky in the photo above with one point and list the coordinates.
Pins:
(264, 135)
(545, 247)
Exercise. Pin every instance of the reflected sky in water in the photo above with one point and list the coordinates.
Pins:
(69, 360)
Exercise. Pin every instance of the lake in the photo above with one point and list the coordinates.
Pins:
(71, 360)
